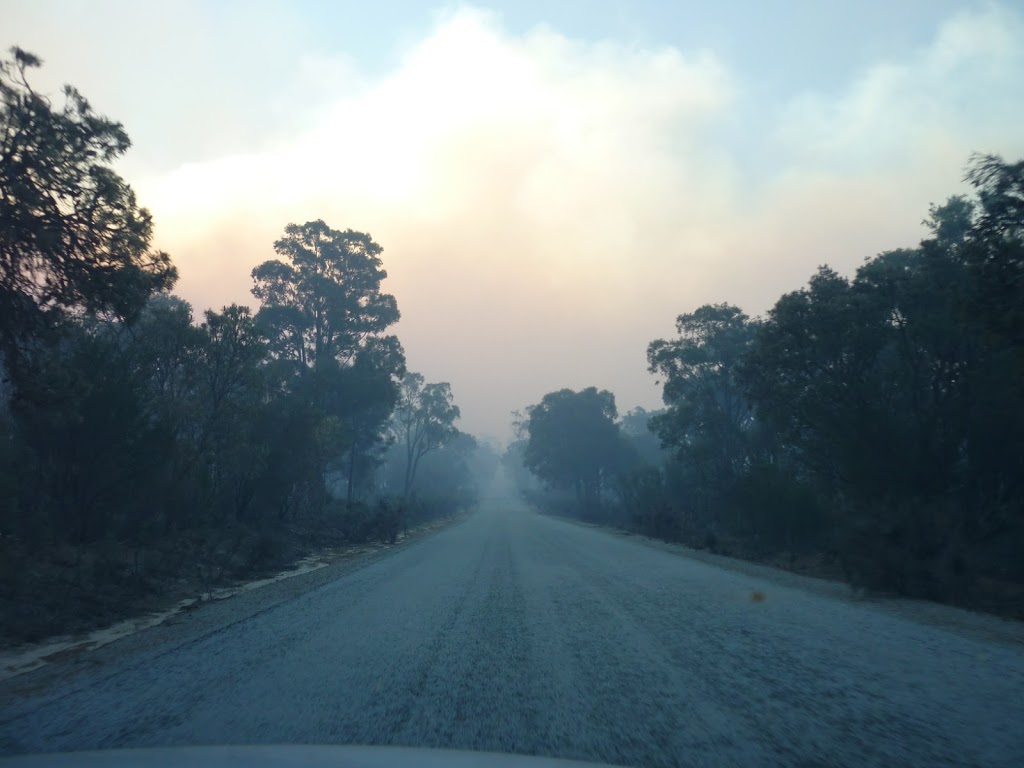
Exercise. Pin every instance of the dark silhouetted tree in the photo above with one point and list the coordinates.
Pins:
(324, 302)
(574, 443)
(73, 240)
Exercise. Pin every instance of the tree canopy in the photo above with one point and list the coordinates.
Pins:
(143, 448)
(707, 412)
(574, 442)
(325, 300)
(73, 239)
(424, 420)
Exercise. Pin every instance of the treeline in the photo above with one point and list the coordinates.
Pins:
(874, 423)
(142, 447)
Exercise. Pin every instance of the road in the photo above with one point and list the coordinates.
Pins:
(511, 631)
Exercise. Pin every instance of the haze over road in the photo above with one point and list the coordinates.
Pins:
(511, 631)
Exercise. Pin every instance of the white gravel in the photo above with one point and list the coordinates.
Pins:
(511, 631)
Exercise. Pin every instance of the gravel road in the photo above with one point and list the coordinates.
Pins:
(515, 632)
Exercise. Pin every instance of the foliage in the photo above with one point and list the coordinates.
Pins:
(143, 448)
(423, 421)
(880, 418)
(324, 316)
(995, 247)
(575, 444)
(325, 302)
(707, 416)
(73, 240)
(873, 424)
(645, 446)
(876, 419)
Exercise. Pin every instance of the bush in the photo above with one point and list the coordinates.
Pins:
(647, 506)
(776, 509)
(911, 548)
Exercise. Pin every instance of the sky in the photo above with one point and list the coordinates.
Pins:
(552, 183)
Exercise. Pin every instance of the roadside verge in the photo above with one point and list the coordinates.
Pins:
(970, 623)
(34, 666)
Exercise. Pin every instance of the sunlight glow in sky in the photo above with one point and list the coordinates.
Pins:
(550, 190)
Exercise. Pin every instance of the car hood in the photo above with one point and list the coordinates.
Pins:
(289, 756)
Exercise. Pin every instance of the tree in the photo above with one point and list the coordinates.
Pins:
(138, 446)
(635, 426)
(424, 421)
(231, 355)
(324, 316)
(574, 443)
(166, 349)
(325, 302)
(707, 414)
(996, 245)
(513, 460)
(812, 376)
(446, 480)
(708, 425)
(91, 444)
(73, 240)
(364, 399)
(897, 396)
(233, 396)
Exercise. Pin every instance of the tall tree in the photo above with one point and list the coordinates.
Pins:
(324, 316)
(233, 398)
(166, 348)
(231, 355)
(707, 415)
(364, 398)
(424, 421)
(812, 375)
(73, 240)
(325, 300)
(574, 442)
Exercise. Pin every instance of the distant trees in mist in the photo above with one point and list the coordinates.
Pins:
(574, 443)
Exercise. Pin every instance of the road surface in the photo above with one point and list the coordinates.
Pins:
(515, 632)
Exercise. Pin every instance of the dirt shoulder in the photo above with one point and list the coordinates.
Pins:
(970, 623)
(35, 666)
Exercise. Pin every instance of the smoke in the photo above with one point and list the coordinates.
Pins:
(547, 206)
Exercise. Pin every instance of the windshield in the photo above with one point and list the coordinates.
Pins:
(640, 384)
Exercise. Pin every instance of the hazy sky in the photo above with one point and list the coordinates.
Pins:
(552, 183)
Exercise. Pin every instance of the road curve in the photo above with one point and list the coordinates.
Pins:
(515, 632)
